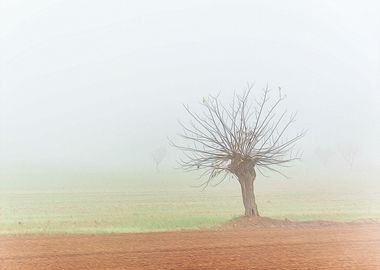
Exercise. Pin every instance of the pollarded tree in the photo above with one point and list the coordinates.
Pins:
(238, 138)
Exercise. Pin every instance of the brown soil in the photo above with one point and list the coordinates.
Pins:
(249, 244)
(254, 223)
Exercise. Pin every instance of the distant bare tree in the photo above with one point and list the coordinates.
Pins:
(238, 138)
(349, 153)
(324, 154)
(158, 156)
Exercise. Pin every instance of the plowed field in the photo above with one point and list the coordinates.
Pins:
(354, 246)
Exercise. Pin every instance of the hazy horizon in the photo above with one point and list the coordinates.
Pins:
(92, 87)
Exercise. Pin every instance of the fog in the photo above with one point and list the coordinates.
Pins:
(98, 86)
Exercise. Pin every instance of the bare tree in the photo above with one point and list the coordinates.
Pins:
(238, 138)
(349, 153)
(324, 154)
(158, 156)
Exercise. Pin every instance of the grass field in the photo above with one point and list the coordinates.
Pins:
(113, 203)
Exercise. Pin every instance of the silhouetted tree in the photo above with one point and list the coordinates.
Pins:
(238, 138)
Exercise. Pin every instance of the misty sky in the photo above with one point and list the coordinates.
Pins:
(100, 84)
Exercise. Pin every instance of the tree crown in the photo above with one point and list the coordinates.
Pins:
(239, 136)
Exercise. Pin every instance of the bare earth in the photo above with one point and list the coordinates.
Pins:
(261, 245)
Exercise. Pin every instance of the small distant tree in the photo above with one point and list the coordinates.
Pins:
(238, 138)
(349, 153)
(324, 154)
(158, 156)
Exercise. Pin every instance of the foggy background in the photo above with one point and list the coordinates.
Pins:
(98, 86)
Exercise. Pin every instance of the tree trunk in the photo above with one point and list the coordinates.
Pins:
(248, 194)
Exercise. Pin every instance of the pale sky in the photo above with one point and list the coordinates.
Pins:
(100, 84)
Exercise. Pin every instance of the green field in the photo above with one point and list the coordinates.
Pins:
(114, 203)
